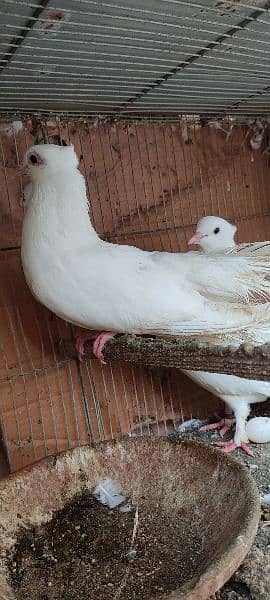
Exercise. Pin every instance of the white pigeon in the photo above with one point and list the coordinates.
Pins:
(214, 233)
(113, 289)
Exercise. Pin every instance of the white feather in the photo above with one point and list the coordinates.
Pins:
(12, 128)
(108, 492)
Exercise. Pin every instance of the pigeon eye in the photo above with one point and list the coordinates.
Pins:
(33, 159)
(217, 230)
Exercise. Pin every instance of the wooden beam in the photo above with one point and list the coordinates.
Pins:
(251, 362)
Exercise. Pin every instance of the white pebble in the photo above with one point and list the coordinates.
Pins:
(258, 430)
(126, 508)
(265, 498)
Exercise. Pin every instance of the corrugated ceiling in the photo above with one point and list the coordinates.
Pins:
(135, 56)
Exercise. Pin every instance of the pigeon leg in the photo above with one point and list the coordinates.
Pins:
(240, 440)
(241, 415)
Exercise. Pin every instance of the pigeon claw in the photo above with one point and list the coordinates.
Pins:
(230, 446)
(81, 339)
(79, 345)
(100, 338)
(211, 426)
(99, 343)
(221, 424)
(224, 429)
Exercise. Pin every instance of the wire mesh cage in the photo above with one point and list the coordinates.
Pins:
(166, 103)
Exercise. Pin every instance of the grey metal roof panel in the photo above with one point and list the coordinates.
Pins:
(142, 54)
(9, 23)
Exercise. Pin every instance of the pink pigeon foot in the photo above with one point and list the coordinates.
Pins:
(219, 424)
(225, 429)
(231, 445)
(99, 343)
(100, 338)
(82, 338)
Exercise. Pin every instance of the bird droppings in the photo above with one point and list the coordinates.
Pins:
(89, 551)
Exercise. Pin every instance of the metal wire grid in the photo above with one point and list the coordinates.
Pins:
(148, 184)
(115, 57)
(41, 408)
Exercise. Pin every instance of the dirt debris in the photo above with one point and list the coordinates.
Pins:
(252, 580)
(85, 553)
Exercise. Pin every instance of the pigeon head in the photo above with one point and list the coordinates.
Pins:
(213, 233)
(49, 161)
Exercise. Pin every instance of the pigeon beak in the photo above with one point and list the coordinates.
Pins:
(196, 238)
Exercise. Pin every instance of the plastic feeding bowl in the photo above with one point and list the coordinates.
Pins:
(190, 516)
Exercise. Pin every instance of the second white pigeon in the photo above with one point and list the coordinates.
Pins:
(214, 234)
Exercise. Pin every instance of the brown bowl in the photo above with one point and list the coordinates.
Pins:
(214, 492)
